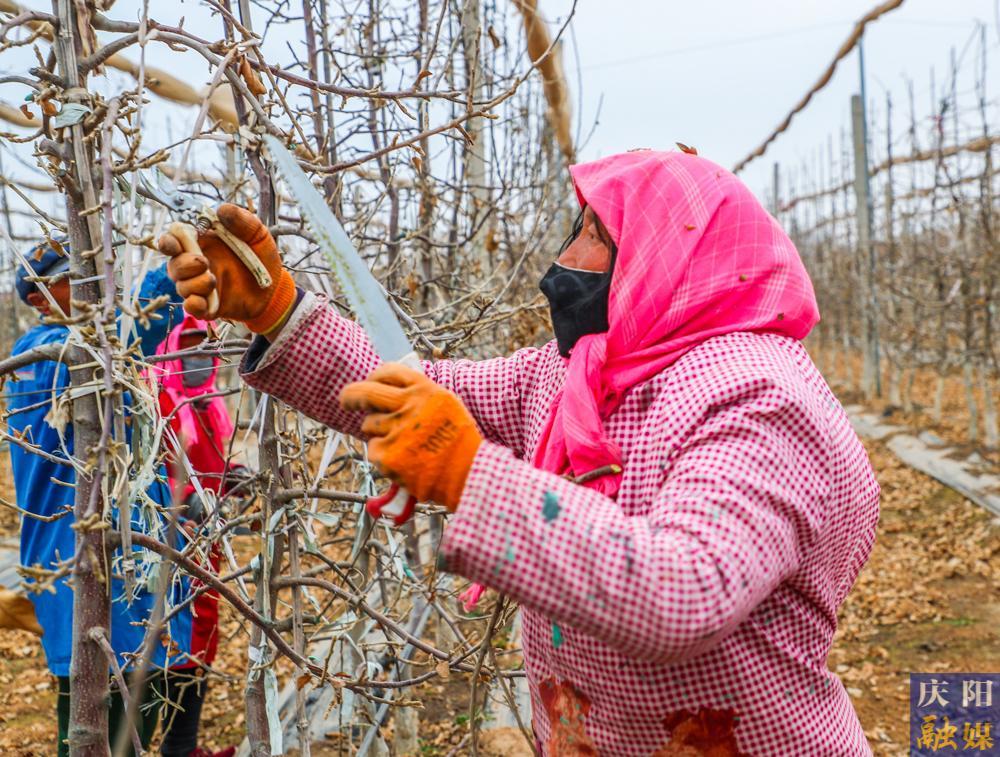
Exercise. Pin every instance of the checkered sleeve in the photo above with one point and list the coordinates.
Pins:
(493, 391)
(740, 500)
(318, 352)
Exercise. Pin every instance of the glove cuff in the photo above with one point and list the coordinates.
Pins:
(451, 482)
(278, 307)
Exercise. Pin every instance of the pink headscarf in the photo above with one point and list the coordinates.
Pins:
(200, 427)
(697, 257)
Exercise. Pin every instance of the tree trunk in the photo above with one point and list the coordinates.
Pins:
(88, 726)
(258, 728)
(474, 154)
(991, 433)
(968, 381)
(938, 411)
(406, 726)
(894, 380)
(907, 398)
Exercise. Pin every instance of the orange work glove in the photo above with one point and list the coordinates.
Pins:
(17, 612)
(420, 434)
(199, 269)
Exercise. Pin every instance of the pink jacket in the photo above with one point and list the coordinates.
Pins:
(203, 426)
(698, 607)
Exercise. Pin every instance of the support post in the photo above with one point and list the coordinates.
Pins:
(871, 382)
(776, 190)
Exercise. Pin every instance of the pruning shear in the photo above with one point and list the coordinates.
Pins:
(199, 218)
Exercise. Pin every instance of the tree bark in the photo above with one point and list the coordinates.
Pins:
(88, 726)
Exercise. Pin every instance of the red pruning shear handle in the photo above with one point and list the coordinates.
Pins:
(397, 504)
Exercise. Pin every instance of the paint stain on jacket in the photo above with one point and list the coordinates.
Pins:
(557, 636)
(567, 709)
(550, 506)
(705, 733)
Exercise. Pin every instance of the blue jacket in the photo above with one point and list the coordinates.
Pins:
(44, 544)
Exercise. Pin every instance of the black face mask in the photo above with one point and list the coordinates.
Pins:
(578, 301)
(197, 370)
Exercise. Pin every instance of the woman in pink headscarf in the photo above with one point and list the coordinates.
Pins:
(198, 415)
(669, 488)
(201, 426)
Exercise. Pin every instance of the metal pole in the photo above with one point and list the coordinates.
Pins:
(872, 375)
(775, 189)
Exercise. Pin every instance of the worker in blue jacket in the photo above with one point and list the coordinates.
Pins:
(44, 488)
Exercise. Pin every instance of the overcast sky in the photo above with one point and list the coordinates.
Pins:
(721, 74)
(716, 74)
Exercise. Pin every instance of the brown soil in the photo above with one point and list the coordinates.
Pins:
(927, 601)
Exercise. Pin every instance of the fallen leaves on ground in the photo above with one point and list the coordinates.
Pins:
(926, 601)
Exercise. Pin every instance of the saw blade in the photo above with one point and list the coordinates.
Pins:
(364, 293)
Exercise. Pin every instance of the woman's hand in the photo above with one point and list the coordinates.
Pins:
(206, 265)
(420, 434)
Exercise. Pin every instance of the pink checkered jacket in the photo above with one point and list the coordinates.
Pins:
(696, 610)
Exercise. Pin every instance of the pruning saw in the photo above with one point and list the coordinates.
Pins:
(366, 296)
